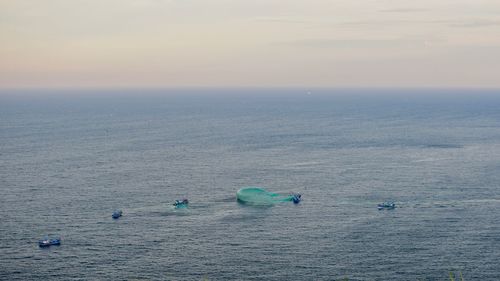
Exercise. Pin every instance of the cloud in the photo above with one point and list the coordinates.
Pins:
(397, 22)
(280, 20)
(356, 43)
(475, 23)
(377, 23)
(457, 23)
(405, 10)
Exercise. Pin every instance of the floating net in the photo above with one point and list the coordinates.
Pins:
(259, 196)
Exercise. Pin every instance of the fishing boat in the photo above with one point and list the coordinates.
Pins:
(46, 242)
(55, 241)
(181, 203)
(386, 206)
(296, 198)
(116, 214)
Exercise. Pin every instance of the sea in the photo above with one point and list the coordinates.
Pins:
(69, 158)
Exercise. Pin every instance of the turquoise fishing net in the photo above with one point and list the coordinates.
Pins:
(259, 196)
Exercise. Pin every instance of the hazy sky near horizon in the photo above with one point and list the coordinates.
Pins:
(238, 43)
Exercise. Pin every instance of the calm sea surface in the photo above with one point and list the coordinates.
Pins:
(68, 159)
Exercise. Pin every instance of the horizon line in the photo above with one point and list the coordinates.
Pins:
(112, 88)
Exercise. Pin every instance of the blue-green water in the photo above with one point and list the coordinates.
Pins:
(68, 159)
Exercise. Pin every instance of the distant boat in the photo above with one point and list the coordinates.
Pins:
(386, 205)
(181, 203)
(55, 241)
(46, 242)
(116, 214)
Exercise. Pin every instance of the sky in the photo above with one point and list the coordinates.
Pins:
(249, 43)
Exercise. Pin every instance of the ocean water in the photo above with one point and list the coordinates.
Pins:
(69, 158)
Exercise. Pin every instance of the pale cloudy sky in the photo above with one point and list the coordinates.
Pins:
(261, 43)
